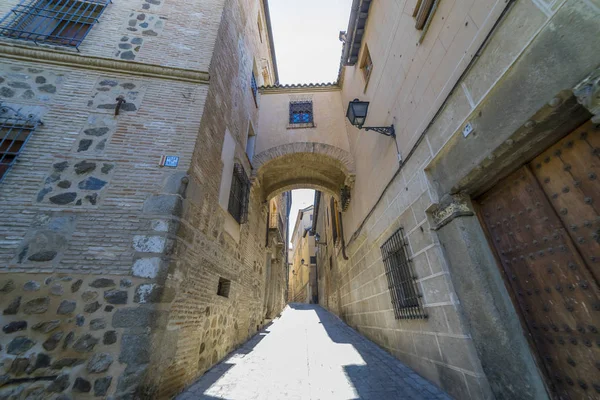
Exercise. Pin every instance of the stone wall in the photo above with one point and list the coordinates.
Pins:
(72, 333)
(202, 326)
(449, 348)
(170, 33)
(83, 248)
(109, 263)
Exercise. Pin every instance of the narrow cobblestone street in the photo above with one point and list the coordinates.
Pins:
(308, 353)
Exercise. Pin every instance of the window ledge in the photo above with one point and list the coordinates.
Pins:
(302, 126)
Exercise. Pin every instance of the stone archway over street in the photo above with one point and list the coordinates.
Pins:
(304, 165)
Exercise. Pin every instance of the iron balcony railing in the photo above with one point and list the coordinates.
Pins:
(59, 22)
(276, 224)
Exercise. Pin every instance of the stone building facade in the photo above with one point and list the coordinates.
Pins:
(302, 275)
(123, 278)
(123, 273)
(489, 101)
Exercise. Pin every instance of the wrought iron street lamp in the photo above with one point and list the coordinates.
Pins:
(357, 115)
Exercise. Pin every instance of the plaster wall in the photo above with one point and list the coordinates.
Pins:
(275, 130)
(408, 83)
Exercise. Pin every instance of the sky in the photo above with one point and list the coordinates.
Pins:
(308, 50)
(306, 33)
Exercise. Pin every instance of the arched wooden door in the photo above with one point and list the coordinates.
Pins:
(544, 223)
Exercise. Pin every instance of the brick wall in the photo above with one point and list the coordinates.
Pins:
(109, 263)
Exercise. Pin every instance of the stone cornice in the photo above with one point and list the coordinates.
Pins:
(300, 88)
(76, 60)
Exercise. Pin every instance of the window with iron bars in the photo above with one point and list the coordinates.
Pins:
(301, 112)
(59, 22)
(15, 131)
(402, 284)
(254, 87)
(239, 195)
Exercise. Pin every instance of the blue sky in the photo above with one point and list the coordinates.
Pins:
(308, 50)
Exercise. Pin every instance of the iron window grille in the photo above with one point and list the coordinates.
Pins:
(239, 195)
(59, 22)
(301, 112)
(15, 131)
(402, 284)
(254, 87)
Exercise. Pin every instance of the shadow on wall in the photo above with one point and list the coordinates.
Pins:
(211, 376)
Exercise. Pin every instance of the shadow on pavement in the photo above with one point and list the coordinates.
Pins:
(383, 376)
(212, 375)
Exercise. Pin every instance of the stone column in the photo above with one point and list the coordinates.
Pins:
(488, 311)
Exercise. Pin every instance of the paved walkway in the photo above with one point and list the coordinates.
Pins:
(308, 353)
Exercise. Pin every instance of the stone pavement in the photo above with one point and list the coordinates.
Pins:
(308, 353)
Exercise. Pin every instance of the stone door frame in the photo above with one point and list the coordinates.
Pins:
(488, 311)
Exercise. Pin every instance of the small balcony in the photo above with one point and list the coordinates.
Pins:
(276, 226)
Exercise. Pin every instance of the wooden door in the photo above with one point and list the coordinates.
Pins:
(543, 223)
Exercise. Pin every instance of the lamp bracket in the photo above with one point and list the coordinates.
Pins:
(384, 130)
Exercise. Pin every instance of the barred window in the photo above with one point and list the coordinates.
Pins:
(15, 131)
(335, 222)
(239, 195)
(301, 112)
(406, 299)
(254, 87)
(422, 13)
(60, 22)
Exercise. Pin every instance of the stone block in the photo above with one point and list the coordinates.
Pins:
(109, 337)
(102, 385)
(66, 307)
(149, 244)
(82, 385)
(37, 306)
(135, 317)
(435, 290)
(14, 326)
(85, 344)
(459, 352)
(13, 306)
(116, 296)
(100, 362)
(135, 349)
(164, 204)
(19, 345)
(146, 267)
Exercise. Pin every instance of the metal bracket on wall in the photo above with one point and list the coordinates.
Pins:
(384, 130)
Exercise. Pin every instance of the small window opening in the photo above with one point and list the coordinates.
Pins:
(366, 65)
(254, 87)
(422, 12)
(250, 143)
(224, 286)
(239, 195)
(301, 112)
